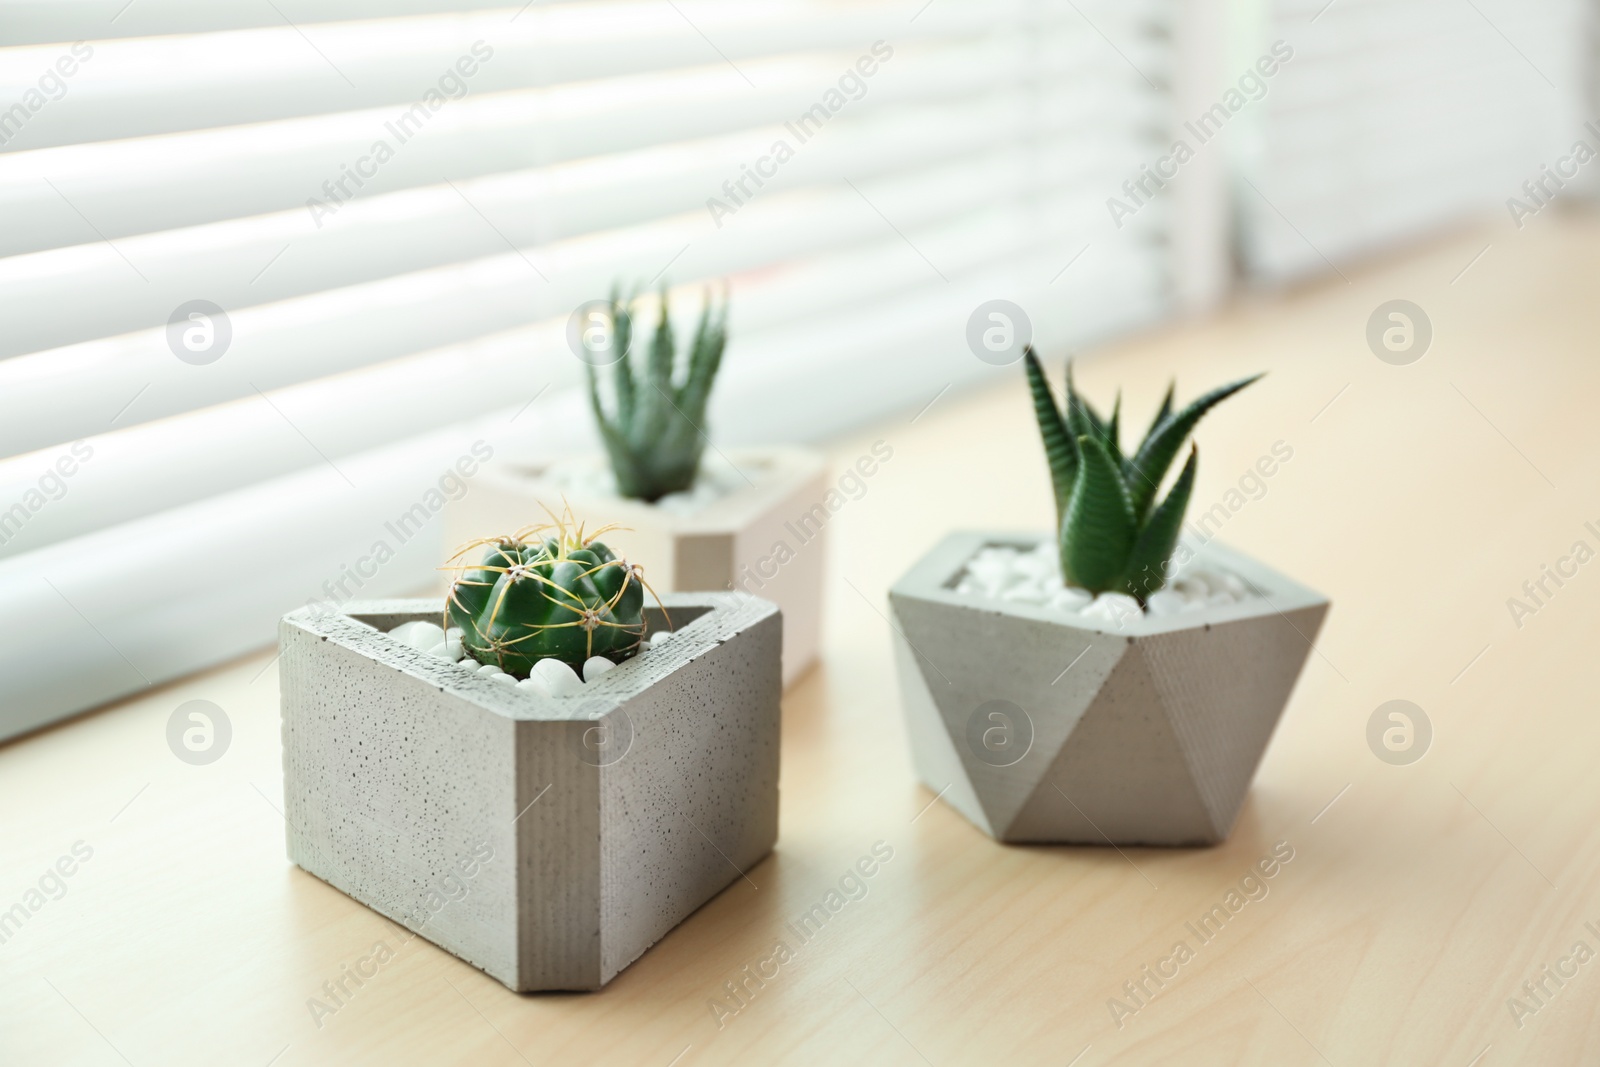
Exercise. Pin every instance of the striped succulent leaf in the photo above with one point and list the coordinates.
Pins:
(655, 431)
(1113, 535)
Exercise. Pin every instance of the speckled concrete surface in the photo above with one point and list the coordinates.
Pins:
(1147, 734)
(547, 840)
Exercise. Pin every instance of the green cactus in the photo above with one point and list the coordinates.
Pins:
(655, 433)
(559, 596)
(1113, 536)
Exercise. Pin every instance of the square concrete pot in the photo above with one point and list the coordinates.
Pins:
(1041, 726)
(730, 544)
(546, 840)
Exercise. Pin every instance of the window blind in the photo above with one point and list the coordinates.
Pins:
(1399, 117)
(277, 273)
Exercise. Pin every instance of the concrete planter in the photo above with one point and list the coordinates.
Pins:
(1042, 727)
(729, 544)
(546, 840)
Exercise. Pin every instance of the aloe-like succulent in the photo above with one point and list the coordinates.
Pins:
(546, 592)
(1112, 534)
(655, 432)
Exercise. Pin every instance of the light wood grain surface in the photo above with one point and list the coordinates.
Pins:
(1418, 900)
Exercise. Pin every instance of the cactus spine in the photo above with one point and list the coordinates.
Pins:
(560, 596)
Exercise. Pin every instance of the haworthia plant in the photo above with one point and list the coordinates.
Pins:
(655, 432)
(1113, 535)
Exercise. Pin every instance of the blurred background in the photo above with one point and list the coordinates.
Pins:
(269, 269)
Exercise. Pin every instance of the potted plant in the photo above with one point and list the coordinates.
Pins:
(699, 521)
(541, 773)
(1116, 682)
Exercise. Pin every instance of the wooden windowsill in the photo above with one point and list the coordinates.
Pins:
(1418, 900)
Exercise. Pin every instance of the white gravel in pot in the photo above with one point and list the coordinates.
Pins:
(591, 475)
(1013, 575)
(550, 677)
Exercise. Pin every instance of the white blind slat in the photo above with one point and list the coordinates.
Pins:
(138, 281)
(1401, 116)
(159, 85)
(53, 21)
(177, 163)
(146, 184)
(307, 337)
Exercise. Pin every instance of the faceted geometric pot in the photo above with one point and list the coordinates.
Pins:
(546, 840)
(1041, 726)
(729, 544)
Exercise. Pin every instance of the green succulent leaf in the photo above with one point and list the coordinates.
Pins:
(633, 477)
(1113, 438)
(1147, 563)
(1060, 446)
(1112, 536)
(656, 436)
(705, 354)
(1161, 415)
(1155, 455)
(658, 381)
(1098, 531)
(622, 369)
(1082, 419)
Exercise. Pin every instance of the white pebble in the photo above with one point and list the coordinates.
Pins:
(470, 664)
(425, 635)
(504, 678)
(489, 670)
(999, 573)
(659, 637)
(403, 632)
(1071, 599)
(1033, 576)
(1036, 566)
(450, 650)
(595, 666)
(1166, 602)
(1117, 609)
(678, 503)
(1025, 592)
(533, 684)
(559, 678)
